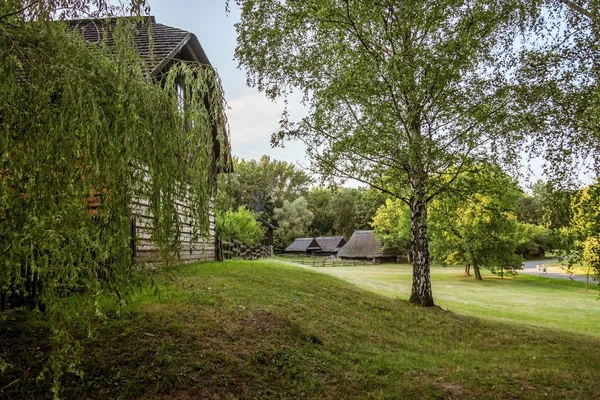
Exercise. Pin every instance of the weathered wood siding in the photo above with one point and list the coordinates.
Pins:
(190, 251)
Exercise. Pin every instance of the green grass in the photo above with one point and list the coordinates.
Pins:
(523, 300)
(267, 330)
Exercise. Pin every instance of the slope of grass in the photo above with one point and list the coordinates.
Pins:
(524, 300)
(266, 330)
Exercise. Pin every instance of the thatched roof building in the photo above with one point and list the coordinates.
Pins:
(330, 244)
(303, 245)
(364, 245)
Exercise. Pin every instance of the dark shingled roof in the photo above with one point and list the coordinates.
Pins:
(167, 45)
(167, 41)
(303, 244)
(330, 243)
(362, 244)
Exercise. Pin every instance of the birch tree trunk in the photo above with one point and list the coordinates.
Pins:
(421, 285)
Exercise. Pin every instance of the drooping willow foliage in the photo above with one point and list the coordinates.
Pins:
(83, 123)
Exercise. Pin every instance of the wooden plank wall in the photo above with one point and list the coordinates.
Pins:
(191, 250)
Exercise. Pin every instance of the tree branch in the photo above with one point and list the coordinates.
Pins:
(577, 8)
(10, 14)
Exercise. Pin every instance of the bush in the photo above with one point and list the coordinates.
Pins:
(240, 225)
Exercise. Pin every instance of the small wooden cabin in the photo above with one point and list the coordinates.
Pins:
(268, 229)
(363, 245)
(330, 245)
(307, 246)
(166, 45)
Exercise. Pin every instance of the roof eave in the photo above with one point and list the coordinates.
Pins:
(163, 63)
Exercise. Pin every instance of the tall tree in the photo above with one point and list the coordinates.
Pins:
(582, 237)
(401, 93)
(481, 228)
(341, 211)
(392, 226)
(293, 219)
(261, 185)
(319, 202)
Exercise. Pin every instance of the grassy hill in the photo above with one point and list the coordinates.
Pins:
(534, 300)
(266, 330)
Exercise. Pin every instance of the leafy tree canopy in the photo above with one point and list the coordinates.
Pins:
(341, 211)
(481, 229)
(392, 225)
(293, 219)
(557, 75)
(582, 238)
(261, 185)
(401, 94)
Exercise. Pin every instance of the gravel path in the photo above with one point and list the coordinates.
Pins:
(552, 272)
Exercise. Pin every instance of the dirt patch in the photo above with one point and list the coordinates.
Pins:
(453, 390)
(263, 321)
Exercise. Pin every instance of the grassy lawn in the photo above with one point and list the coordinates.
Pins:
(522, 300)
(267, 330)
(577, 270)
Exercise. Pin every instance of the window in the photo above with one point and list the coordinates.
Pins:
(180, 97)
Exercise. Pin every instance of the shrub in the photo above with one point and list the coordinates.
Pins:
(240, 225)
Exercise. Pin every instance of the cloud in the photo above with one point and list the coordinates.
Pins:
(252, 120)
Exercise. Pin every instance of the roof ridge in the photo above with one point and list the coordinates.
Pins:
(152, 18)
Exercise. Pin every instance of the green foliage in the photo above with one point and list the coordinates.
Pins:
(400, 94)
(557, 83)
(341, 211)
(392, 225)
(534, 240)
(293, 220)
(319, 202)
(481, 229)
(581, 240)
(530, 210)
(261, 185)
(76, 121)
(239, 225)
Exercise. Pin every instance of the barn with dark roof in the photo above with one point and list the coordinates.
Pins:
(330, 245)
(303, 246)
(364, 245)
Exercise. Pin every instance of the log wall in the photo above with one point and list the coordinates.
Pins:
(191, 250)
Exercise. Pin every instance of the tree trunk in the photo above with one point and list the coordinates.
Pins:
(421, 285)
(477, 272)
(587, 279)
(467, 270)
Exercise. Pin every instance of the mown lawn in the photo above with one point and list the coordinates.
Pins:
(522, 300)
(267, 330)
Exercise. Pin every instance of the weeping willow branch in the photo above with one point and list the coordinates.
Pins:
(81, 122)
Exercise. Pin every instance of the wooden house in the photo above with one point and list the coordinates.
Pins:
(306, 246)
(363, 245)
(268, 230)
(330, 245)
(160, 51)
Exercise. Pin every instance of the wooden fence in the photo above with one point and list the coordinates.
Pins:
(330, 262)
(238, 250)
